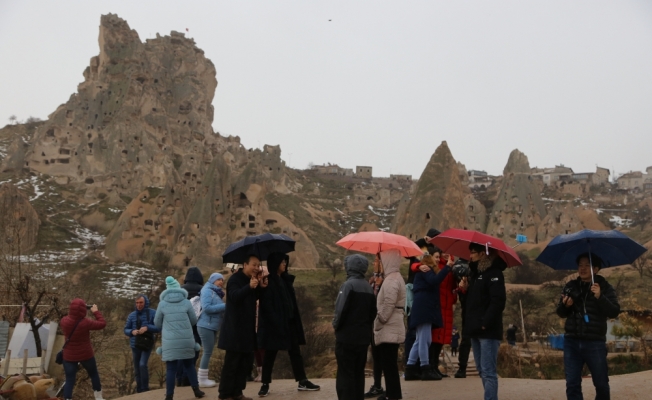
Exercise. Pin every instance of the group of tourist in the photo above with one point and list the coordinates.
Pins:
(259, 313)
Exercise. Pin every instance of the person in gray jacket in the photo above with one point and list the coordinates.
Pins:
(355, 311)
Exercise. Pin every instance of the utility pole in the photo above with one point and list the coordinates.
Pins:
(523, 324)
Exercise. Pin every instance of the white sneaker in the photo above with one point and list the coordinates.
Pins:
(98, 395)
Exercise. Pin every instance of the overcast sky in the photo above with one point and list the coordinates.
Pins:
(379, 83)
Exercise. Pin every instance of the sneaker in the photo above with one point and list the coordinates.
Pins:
(307, 385)
(374, 391)
(264, 390)
(461, 373)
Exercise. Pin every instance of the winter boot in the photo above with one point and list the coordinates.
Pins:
(169, 397)
(198, 393)
(411, 373)
(428, 373)
(98, 395)
(461, 373)
(202, 377)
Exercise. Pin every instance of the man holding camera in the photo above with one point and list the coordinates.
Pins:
(586, 303)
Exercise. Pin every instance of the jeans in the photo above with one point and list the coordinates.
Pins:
(237, 366)
(485, 352)
(141, 370)
(71, 367)
(593, 353)
(421, 345)
(171, 374)
(208, 344)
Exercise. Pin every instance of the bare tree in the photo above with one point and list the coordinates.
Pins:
(13, 118)
(32, 120)
(642, 264)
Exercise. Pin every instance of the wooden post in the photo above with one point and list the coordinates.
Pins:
(5, 369)
(523, 324)
(44, 354)
(25, 353)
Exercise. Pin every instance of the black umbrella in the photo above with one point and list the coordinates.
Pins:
(260, 246)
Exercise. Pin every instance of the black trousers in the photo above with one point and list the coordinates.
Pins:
(295, 359)
(378, 368)
(389, 360)
(236, 368)
(433, 353)
(351, 360)
(465, 349)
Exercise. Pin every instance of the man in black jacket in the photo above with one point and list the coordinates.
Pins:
(192, 283)
(355, 311)
(586, 307)
(484, 305)
(238, 333)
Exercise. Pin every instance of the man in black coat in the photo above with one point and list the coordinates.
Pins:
(586, 307)
(238, 332)
(484, 305)
(192, 283)
(279, 324)
(355, 311)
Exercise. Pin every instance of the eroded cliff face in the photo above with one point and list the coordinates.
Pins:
(438, 201)
(139, 130)
(19, 222)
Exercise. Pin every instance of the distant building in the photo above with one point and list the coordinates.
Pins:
(632, 180)
(332, 169)
(479, 179)
(404, 178)
(363, 172)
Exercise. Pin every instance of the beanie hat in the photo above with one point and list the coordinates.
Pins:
(432, 232)
(171, 283)
(215, 276)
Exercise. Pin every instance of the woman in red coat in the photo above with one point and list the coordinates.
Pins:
(76, 328)
(444, 335)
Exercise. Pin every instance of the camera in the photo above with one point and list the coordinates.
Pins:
(461, 269)
(573, 293)
(89, 306)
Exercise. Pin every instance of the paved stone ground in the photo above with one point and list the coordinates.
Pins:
(630, 387)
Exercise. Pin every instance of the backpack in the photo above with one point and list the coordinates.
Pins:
(196, 305)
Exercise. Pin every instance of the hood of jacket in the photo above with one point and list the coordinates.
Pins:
(355, 266)
(194, 275)
(274, 261)
(174, 295)
(146, 301)
(77, 309)
(391, 260)
(489, 262)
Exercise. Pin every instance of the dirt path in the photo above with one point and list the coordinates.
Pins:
(631, 386)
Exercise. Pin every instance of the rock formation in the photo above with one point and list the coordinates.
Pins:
(438, 201)
(518, 209)
(19, 222)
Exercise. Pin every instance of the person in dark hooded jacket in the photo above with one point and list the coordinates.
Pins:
(279, 324)
(192, 283)
(586, 307)
(355, 312)
(140, 321)
(79, 351)
(484, 305)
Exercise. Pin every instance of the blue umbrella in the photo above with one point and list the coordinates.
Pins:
(613, 247)
(260, 246)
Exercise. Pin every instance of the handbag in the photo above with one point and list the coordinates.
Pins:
(144, 341)
(59, 357)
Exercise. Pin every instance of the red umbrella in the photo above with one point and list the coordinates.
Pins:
(375, 242)
(456, 242)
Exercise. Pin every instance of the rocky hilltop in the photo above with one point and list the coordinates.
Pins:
(438, 200)
(19, 222)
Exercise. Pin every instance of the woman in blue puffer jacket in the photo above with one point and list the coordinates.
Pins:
(175, 317)
(209, 323)
(138, 322)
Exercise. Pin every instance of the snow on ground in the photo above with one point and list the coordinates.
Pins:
(621, 222)
(127, 280)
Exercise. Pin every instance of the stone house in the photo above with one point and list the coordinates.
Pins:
(632, 180)
(362, 171)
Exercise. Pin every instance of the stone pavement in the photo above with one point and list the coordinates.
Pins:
(630, 387)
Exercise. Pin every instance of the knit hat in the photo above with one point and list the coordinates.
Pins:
(171, 283)
(215, 276)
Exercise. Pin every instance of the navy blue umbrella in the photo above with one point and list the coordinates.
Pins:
(260, 246)
(613, 247)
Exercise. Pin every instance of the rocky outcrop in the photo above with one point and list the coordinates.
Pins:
(518, 209)
(560, 220)
(19, 222)
(438, 201)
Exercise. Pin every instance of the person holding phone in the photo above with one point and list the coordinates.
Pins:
(79, 351)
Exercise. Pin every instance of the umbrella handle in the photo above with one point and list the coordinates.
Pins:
(591, 266)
